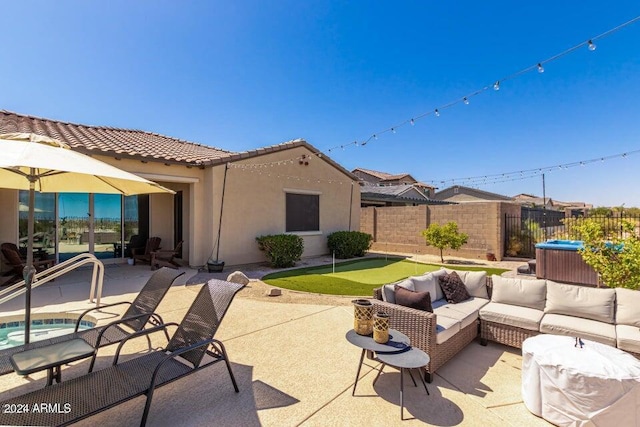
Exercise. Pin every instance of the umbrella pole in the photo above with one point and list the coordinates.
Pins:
(29, 271)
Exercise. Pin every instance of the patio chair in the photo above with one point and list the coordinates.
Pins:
(139, 313)
(12, 254)
(121, 382)
(153, 244)
(135, 242)
(166, 258)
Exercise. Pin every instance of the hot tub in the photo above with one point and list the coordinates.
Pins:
(560, 260)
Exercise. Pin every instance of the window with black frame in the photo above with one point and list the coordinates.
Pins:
(303, 212)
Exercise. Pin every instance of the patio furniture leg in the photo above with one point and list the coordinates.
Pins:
(382, 365)
(401, 394)
(226, 361)
(50, 376)
(424, 384)
(412, 379)
(353, 393)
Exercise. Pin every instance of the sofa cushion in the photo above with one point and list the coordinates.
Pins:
(580, 301)
(412, 299)
(453, 288)
(466, 311)
(437, 274)
(628, 307)
(446, 327)
(522, 292)
(628, 338)
(512, 315)
(560, 324)
(427, 283)
(388, 291)
(474, 281)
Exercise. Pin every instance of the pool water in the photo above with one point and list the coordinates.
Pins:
(46, 326)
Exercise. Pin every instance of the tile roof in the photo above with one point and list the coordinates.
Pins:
(396, 192)
(114, 141)
(142, 145)
(377, 174)
(384, 176)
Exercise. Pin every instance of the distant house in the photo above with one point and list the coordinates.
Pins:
(276, 189)
(385, 189)
(533, 201)
(461, 194)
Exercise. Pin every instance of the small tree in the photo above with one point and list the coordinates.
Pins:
(615, 259)
(444, 236)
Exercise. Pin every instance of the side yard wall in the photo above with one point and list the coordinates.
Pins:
(398, 228)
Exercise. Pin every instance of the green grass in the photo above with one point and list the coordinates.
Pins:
(358, 277)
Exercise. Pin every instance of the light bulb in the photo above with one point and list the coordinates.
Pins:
(592, 46)
(496, 85)
(375, 136)
(412, 122)
(437, 113)
(540, 68)
(465, 100)
(393, 130)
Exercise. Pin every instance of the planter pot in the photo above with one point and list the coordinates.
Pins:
(131, 261)
(215, 266)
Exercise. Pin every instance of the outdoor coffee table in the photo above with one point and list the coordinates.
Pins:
(397, 353)
(51, 357)
(565, 384)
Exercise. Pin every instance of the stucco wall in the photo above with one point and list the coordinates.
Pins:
(254, 203)
(397, 229)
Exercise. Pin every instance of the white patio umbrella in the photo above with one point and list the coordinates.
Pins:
(38, 163)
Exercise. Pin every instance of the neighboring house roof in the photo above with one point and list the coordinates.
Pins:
(398, 193)
(480, 195)
(138, 144)
(386, 177)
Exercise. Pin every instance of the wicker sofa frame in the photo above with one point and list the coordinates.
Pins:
(420, 327)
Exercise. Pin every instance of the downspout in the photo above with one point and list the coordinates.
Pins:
(350, 205)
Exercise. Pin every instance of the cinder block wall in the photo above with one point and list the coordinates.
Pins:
(398, 228)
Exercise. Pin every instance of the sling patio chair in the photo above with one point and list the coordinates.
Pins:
(100, 390)
(166, 258)
(139, 313)
(12, 254)
(153, 244)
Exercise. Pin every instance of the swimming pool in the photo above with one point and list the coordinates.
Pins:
(43, 326)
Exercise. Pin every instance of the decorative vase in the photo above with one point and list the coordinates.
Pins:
(381, 327)
(362, 316)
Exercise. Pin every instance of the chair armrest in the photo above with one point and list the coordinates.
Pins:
(418, 325)
(140, 334)
(84, 313)
(377, 294)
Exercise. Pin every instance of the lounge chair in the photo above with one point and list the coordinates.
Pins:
(153, 244)
(94, 392)
(166, 258)
(139, 313)
(14, 258)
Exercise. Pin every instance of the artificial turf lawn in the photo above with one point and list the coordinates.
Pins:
(358, 277)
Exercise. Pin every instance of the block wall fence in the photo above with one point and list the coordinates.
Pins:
(398, 228)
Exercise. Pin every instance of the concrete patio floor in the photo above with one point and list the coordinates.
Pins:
(293, 367)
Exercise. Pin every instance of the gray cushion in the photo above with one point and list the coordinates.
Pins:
(512, 315)
(574, 300)
(474, 281)
(628, 307)
(388, 291)
(522, 292)
(560, 324)
(446, 327)
(437, 274)
(427, 283)
(466, 311)
(628, 338)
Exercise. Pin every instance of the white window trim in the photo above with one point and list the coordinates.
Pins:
(305, 233)
(294, 191)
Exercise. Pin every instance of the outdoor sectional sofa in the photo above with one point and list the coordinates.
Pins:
(509, 310)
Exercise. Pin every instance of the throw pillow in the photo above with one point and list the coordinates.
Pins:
(388, 291)
(412, 299)
(453, 288)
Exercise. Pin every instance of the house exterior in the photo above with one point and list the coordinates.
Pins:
(368, 176)
(549, 203)
(393, 195)
(461, 194)
(223, 199)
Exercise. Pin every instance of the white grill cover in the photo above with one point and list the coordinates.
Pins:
(596, 385)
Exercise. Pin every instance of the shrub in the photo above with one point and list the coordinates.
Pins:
(349, 244)
(283, 250)
(615, 259)
(444, 236)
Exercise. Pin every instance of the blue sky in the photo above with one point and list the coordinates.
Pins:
(245, 74)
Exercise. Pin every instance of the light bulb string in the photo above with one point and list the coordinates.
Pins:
(465, 99)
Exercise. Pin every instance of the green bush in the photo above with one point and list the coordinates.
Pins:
(283, 250)
(349, 244)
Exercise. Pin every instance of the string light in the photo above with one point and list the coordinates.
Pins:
(496, 85)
